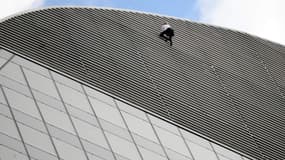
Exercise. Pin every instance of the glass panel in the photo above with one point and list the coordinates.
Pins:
(173, 155)
(119, 131)
(2, 99)
(68, 152)
(98, 95)
(56, 118)
(90, 133)
(123, 147)
(201, 153)
(48, 100)
(11, 142)
(75, 98)
(140, 127)
(2, 61)
(155, 147)
(4, 110)
(149, 155)
(22, 103)
(5, 54)
(223, 158)
(97, 150)
(172, 141)
(8, 127)
(37, 153)
(29, 121)
(120, 157)
(131, 110)
(31, 66)
(66, 81)
(36, 138)
(163, 124)
(93, 157)
(226, 152)
(14, 85)
(14, 72)
(8, 154)
(41, 83)
(64, 136)
(84, 116)
(195, 139)
(107, 112)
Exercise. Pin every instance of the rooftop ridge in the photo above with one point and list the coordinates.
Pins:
(133, 11)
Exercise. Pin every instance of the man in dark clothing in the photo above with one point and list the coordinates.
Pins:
(167, 33)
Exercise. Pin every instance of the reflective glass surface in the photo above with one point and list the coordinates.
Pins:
(195, 139)
(149, 155)
(9, 154)
(66, 119)
(140, 127)
(41, 83)
(36, 138)
(5, 54)
(222, 152)
(14, 72)
(69, 152)
(2, 62)
(56, 118)
(4, 111)
(15, 85)
(163, 124)
(22, 103)
(107, 112)
(66, 81)
(90, 133)
(2, 99)
(8, 127)
(201, 153)
(12, 143)
(131, 110)
(99, 96)
(172, 141)
(30, 66)
(74, 98)
(123, 147)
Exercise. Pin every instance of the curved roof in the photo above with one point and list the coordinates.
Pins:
(226, 85)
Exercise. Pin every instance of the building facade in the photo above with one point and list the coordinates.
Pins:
(99, 84)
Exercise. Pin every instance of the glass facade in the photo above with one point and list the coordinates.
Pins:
(46, 116)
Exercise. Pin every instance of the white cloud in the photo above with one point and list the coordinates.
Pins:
(10, 7)
(264, 18)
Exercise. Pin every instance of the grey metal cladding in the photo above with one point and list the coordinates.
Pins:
(226, 85)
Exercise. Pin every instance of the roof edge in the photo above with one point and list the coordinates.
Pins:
(133, 11)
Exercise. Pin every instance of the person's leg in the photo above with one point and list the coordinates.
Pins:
(170, 40)
(162, 34)
(169, 33)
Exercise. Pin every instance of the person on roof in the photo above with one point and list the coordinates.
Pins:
(167, 32)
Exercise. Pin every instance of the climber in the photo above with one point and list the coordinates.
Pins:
(167, 32)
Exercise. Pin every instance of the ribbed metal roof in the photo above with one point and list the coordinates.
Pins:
(224, 84)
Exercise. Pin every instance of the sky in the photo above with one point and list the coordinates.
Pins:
(263, 18)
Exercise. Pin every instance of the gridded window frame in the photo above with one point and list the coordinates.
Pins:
(122, 107)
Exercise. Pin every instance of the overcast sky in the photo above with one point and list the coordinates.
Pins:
(264, 18)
